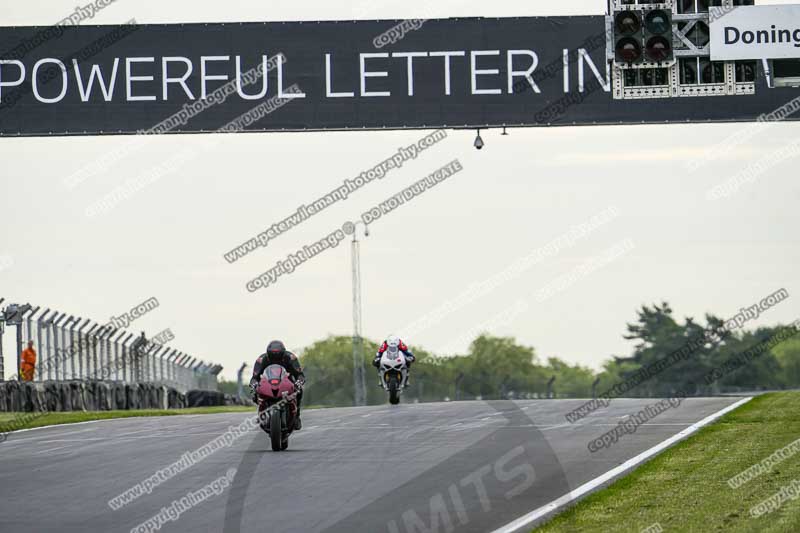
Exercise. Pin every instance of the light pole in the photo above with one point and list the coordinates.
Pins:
(358, 341)
(2, 330)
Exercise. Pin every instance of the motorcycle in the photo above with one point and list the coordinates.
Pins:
(277, 405)
(393, 373)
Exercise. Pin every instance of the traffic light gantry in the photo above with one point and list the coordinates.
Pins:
(660, 49)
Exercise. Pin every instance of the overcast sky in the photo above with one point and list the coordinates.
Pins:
(513, 198)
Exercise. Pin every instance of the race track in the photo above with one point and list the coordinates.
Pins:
(466, 466)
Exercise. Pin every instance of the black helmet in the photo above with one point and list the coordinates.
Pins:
(276, 351)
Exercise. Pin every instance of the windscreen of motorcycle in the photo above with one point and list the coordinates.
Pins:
(275, 372)
(391, 361)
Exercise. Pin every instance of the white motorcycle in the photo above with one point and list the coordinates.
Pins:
(393, 373)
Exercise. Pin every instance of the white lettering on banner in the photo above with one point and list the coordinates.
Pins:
(483, 72)
(63, 92)
(755, 32)
(184, 78)
(375, 74)
(16, 83)
(410, 56)
(447, 56)
(131, 78)
(205, 77)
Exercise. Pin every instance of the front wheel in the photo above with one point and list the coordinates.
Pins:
(275, 430)
(394, 396)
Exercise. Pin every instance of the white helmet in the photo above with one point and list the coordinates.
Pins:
(393, 343)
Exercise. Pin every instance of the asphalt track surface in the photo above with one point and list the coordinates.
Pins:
(466, 466)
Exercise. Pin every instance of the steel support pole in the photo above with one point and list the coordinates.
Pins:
(95, 341)
(187, 372)
(134, 361)
(146, 353)
(240, 381)
(182, 376)
(215, 373)
(186, 379)
(49, 341)
(19, 351)
(158, 372)
(359, 380)
(162, 364)
(177, 369)
(117, 361)
(154, 360)
(38, 376)
(141, 363)
(148, 367)
(98, 354)
(179, 376)
(170, 362)
(200, 375)
(52, 360)
(125, 360)
(101, 353)
(168, 365)
(151, 363)
(171, 368)
(190, 374)
(30, 330)
(62, 343)
(79, 349)
(2, 330)
(83, 348)
(71, 348)
(109, 368)
(127, 368)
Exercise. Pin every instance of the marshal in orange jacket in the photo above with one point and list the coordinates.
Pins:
(28, 363)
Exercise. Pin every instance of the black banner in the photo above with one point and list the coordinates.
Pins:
(447, 73)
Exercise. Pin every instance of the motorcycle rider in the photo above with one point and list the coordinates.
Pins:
(277, 354)
(394, 341)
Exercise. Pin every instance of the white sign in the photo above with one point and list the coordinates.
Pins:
(755, 32)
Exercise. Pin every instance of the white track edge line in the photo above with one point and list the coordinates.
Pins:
(627, 465)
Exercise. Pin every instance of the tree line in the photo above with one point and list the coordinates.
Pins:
(766, 358)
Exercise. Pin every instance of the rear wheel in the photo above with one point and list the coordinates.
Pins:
(394, 396)
(275, 430)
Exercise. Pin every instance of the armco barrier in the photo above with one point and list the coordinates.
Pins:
(204, 398)
(92, 396)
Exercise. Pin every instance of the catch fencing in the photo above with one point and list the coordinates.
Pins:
(72, 348)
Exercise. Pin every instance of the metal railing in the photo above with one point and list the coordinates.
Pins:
(71, 348)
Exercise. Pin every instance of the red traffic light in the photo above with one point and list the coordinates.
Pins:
(629, 50)
(658, 49)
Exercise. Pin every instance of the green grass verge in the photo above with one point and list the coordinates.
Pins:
(35, 420)
(685, 488)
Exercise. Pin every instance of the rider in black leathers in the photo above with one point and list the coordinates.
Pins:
(277, 354)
